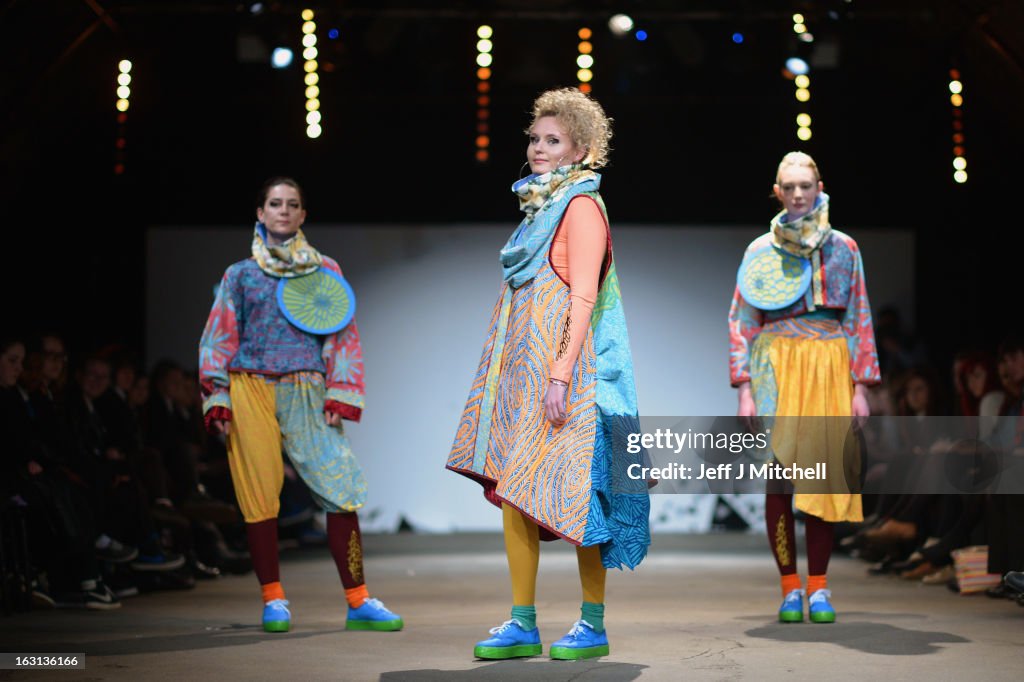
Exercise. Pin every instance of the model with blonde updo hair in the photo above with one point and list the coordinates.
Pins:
(797, 159)
(536, 430)
(803, 345)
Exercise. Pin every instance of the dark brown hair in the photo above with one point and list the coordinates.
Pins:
(261, 198)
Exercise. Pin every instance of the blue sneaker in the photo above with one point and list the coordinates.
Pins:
(820, 607)
(276, 616)
(792, 609)
(510, 640)
(581, 642)
(373, 615)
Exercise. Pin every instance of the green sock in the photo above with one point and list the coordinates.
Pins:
(526, 615)
(593, 614)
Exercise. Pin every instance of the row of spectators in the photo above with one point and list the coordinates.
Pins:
(914, 535)
(111, 475)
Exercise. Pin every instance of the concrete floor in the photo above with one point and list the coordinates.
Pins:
(699, 608)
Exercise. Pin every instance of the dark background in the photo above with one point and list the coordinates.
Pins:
(700, 125)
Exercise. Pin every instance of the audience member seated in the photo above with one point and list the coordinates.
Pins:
(62, 539)
(120, 502)
(1005, 514)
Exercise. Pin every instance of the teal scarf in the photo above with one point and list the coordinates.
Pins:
(543, 198)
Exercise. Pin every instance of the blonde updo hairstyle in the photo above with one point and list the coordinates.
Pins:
(797, 159)
(582, 118)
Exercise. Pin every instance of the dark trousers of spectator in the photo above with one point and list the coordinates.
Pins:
(967, 529)
(61, 530)
(1005, 537)
(182, 466)
(148, 466)
(894, 487)
(124, 509)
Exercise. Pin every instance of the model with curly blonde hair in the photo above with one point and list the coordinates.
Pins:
(582, 119)
(554, 382)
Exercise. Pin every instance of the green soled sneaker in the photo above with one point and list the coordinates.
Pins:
(373, 615)
(276, 616)
(581, 642)
(820, 607)
(792, 609)
(509, 640)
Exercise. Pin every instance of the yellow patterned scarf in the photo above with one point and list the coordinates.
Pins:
(805, 235)
(534, 191)
(293, 258)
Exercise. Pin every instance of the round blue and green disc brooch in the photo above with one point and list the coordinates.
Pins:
(771, 279)
(319, 303)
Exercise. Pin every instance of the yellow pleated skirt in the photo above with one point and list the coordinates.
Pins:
(801, 376)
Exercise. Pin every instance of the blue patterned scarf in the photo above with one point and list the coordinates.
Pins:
(543, 198)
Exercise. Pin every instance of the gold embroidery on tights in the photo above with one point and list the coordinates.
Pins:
(782, 542)
(355, 558)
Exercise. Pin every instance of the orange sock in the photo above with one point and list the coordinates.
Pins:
(815, 583)
(272, 591)
(356, 596)
(790, 582)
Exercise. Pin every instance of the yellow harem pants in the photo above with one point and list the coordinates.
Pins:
(271, 413)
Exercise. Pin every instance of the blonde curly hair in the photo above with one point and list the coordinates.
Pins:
(583, 119)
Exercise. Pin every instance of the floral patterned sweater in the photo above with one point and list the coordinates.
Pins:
(246, 332)
(843, 290)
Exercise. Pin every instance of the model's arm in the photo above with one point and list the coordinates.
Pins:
(343, 356)
(860, 339)
(745, 322)
(216, 350)
(860, 333)
(586, 245)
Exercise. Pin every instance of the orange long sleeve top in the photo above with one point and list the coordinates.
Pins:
(578, 254)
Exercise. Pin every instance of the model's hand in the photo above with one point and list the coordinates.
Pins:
(554, 404)
(289, 472)
(332, 418)
(34, 468)
(859, 407)
(747, 410)
(221, 427)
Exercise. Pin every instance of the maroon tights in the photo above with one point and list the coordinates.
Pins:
(778, 515)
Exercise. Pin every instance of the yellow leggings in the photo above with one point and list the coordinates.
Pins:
(522, 545)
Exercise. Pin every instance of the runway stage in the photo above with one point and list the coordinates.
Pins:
(701, 607)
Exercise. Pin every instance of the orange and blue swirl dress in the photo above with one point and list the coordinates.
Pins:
(563, 477)
(803, 360)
